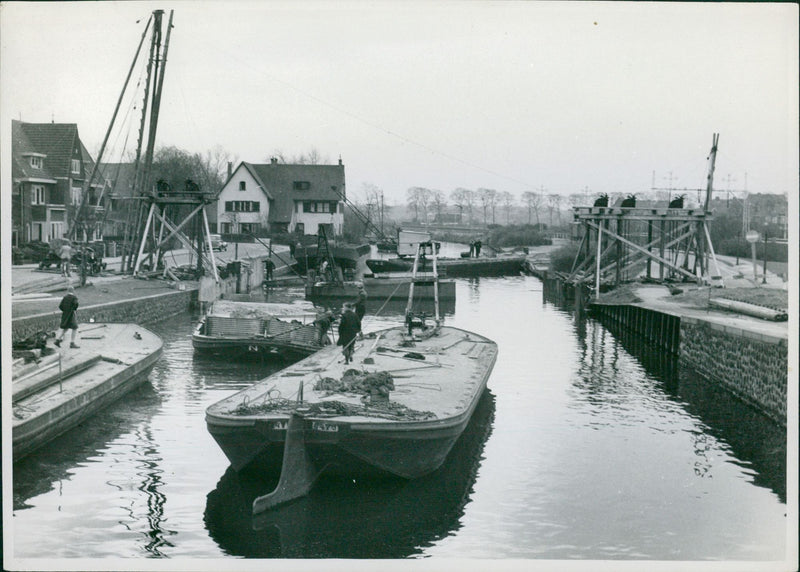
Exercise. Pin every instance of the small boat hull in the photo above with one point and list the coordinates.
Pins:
(455, 267)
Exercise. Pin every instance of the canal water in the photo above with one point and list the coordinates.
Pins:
(586, 445)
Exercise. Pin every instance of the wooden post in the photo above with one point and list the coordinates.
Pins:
(661, 251)
(649, 241)
(597, 271)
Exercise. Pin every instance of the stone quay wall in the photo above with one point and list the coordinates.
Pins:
(753, 366)
(143, 311)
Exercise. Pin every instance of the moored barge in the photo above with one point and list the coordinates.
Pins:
(65, 388)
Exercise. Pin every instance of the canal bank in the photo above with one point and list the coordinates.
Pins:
(746, 355)
(121, 299)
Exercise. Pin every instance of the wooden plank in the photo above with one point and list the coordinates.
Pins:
(30, 384)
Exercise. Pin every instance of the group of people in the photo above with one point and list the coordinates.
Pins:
(475, 248)
(349, 323)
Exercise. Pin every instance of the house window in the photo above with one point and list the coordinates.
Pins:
(36, 162)
(309, 207)
(37, 192)
(300, 228)
(242, 185)
(301, 185)
(56, 230)
(242, 206)
(76, 167)
(75, 195)
(248, 227)
(225, 228)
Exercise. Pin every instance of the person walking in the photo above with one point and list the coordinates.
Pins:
(349, 327)
(66, 258)
(69, 317)
(269, 266)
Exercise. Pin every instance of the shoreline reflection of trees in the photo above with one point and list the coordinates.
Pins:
(342, 518)
(754, 439)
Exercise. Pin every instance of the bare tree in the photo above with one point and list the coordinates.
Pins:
(459, 198)
(439, 201)
(507, 200)
(533, 201)
(425, 200)
(414, 200)
(578, 200)
(488, 199)
(310, 157)
(553, 205)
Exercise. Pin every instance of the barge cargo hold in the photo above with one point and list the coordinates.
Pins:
(233, 329)
(63, 389)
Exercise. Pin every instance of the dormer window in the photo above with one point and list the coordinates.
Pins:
(76, 167)
(301, 185)
(242, 185)
(36, 162)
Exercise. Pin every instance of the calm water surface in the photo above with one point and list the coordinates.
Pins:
(585, 446)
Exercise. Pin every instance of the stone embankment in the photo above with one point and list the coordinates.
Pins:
(746, 355)
(122, 299)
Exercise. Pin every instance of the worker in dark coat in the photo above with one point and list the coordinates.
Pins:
(361, 304)
(323, 324)
(69, 317)
(349, 326)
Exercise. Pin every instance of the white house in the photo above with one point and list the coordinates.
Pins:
(282, 198)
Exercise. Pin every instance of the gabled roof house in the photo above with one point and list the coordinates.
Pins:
(50, 166)
(277, 197)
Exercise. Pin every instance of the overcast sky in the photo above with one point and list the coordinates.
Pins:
(516, 96)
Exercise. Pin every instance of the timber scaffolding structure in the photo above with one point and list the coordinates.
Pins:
(619, 243)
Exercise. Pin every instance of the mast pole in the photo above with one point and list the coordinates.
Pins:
(88, 182)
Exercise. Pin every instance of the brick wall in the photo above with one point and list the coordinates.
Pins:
(752, 366)
(144, 310)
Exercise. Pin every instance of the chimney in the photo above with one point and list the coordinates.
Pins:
(274, 160)
(340, 159)
(230, 169)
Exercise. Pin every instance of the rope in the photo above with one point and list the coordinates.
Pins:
(389, 298)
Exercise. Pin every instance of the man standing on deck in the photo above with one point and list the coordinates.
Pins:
(361, 304)
(349, 327)
(69, 318)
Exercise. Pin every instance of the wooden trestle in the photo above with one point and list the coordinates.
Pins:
(618, 244)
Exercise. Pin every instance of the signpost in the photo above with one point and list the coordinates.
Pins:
(752, 237)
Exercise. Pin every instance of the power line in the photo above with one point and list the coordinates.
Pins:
(379, 127)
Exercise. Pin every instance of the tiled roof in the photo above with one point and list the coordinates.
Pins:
(55, 140)
(278, 179)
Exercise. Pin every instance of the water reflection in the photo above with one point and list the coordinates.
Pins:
(757, 442)
(44, 470)
(348, 519)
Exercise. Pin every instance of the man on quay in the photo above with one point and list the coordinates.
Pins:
(66, 257)
(69, 318)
